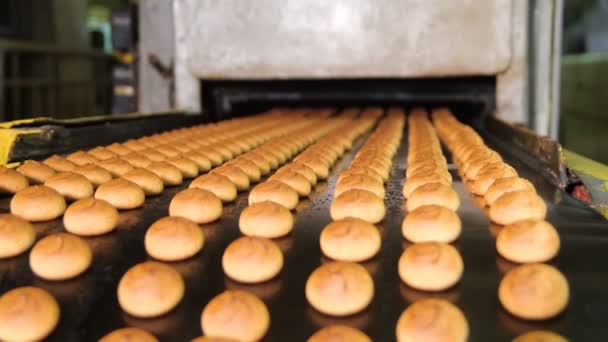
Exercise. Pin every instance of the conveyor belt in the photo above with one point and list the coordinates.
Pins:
(90, 309)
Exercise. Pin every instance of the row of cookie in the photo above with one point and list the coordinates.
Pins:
(526, 236)
(431, 223)
(342, 287)
(360, 190)
(73, 255)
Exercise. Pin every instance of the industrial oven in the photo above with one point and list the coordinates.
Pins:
(490, 62)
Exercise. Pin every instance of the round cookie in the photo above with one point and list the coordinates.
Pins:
(97, 175)
(359, 204)
(540, 336)
(11, 181)
(16, 235)
(60, 256)
(173, 238)
(304, 170)
(101, 153)
(431, 223)
(339, 288)
(147, 180)
(249, 168)
(503, 185)
(236, 176)
(432, 320)
(219, 185)
(252, 259)
(516, 206)
(249, 317)
(116, 166)
(90, 217)
(295, 180)
(81, 158)
(121, 193)
(274, 191)
(150, 289)
(170, 174)
(128, 334)
(430, 266)
(339, 333)
(38, 203)
(361, 182)
(59, 163)
(202, 162)
(72, 186)
(350, 239)
(35, 172)
(200, 206)
(27, 314)
(187, 167)
(266, 219)
(534, 291)
(433, 193)
(137, 160)
(528, 241)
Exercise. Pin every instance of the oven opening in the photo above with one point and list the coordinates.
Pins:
(469, 98)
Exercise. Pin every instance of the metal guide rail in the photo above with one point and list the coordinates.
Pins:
(89, 308)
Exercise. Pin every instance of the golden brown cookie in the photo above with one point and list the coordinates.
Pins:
(534, 291)
(433, 193)
(274, 191)
(11, 181)
(35, 172)
(89, 217)
(38, 203)
(359, 204)
(187, 167)
(266, 219)
(430, 266)
(432, 320)
(170, 174)
(121, 193)
(147, 180)
(220, 185)
(97, 175)
(236, 176)
(350, 239)
(16, 235)
(81, 158)
(128, 334)
(150, 289)
(27, 314)
(516, 206)
(503, 185)
(361, 182)
(60, 256)
(339, 333)
(249, 317)
(528, 241)
(116, 166)
(252, 259)
(295, 180)
(173, 238)
(339, 288)
(431, 223)
(72, 186)
(59, 163)
(200, 206)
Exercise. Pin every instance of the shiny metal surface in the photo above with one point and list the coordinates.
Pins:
(89, 306)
